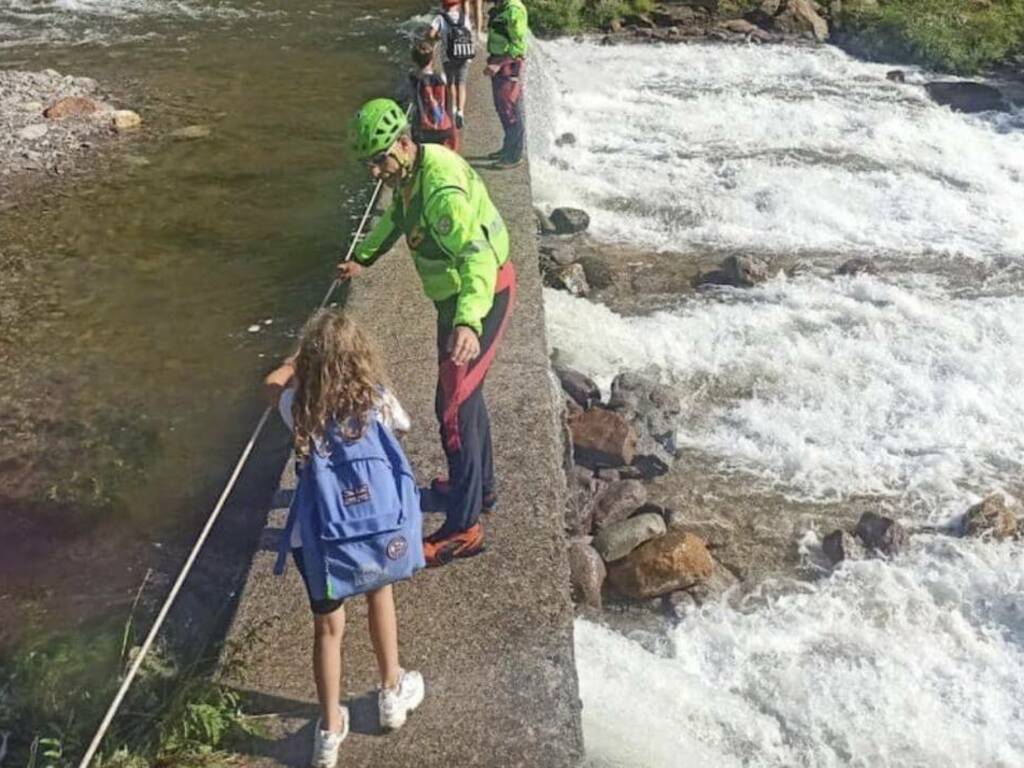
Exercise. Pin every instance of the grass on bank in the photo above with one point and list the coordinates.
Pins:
(962, 36)
(55, 689)
(567, 17)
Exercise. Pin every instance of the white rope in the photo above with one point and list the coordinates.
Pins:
(144, 649)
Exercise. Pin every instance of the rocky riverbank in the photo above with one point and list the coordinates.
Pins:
(653, 530)
(49, 123)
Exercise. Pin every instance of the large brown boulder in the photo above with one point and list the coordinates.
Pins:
(602, 438)
(71, 106)
(677, 560)
(990, 517)
(587, 574)
(802, 17)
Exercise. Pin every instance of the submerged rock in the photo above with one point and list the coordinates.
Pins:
(737, 271)
(857, 266)
(881, 534)
(603, 438)
(841, 545)
(569, 221)
(191, 133)
(544, 225)
(677, 560)
(966, 96)
(587, 573)
(617, 502)
(896, 76)
(615, 541)
(990, 517)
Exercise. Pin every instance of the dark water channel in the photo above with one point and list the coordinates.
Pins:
(133, 374)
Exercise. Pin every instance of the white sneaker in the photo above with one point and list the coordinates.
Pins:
(326, 743)
(395, 704)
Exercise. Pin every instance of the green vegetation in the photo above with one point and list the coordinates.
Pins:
(565, 17)
(53, 692)
(962, 36)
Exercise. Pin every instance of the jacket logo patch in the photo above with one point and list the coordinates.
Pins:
(444, 225)
(397, 548)
(359, 495)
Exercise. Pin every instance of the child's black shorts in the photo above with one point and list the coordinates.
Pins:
(319, 607)
(455, 72)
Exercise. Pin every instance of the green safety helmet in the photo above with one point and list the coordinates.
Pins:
(376, 127)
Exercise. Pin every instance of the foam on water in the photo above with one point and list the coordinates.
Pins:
(914, 664)
(29, 23)
(909, 387)
(827, 388)
(770, 148)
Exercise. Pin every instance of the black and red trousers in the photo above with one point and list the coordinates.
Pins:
(461, 409)
(507, 90)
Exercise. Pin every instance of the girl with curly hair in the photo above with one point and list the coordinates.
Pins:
(332, 394)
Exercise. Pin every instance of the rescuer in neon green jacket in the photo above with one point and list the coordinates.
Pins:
(460, 249)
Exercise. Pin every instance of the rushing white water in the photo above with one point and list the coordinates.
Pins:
(772, 149)
(907, 386)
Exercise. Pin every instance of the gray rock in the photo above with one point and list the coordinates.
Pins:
(840, 545)
(599, 275)
(33, 132)
(579, 387)
(579, 509)
(717, 584)
(896, 76)
(617, 502)
(571, 278)
(654, 411)
(990, 518)
(966, 96)
(544, 225)
(609, 475)
(736, 271)
(717, 533)
(616, 540)
(569, 221)
(677, 605)
(587, 573)
(881, 534)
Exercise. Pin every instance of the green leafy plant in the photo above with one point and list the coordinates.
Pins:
(962, 36)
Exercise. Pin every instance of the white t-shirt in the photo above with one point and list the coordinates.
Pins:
(390, 413)
(442, 26)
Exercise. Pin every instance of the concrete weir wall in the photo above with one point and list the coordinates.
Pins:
(492, 634)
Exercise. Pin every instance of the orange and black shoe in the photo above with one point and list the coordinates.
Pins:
(441, 550)
(440, 487)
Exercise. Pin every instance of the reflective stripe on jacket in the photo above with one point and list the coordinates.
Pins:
(456, 235)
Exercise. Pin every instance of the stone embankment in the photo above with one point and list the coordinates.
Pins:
(638, 539)
(49, 121)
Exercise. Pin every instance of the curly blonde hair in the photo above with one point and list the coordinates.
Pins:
(337, 379)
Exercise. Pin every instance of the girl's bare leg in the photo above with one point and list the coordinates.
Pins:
(460, 90)
(384, 633)
(328, 632)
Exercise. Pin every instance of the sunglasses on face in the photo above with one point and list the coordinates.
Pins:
(379, 158)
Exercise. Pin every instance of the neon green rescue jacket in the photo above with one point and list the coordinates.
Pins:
(507, 30)
(456, 235)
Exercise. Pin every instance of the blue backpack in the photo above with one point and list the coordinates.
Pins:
(362, 527)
